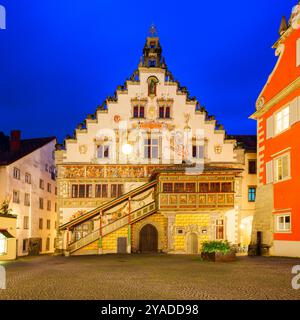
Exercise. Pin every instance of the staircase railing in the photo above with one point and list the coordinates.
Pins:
(114, 225)
(108, 205)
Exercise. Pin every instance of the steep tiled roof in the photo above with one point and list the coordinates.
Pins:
(26, 147)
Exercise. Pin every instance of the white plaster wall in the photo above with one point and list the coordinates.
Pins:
(34, 163)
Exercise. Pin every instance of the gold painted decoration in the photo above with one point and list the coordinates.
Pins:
(77, 214)
(94, 172)
(117, 118)
(75, 172)
(218, 149)
(83, 149)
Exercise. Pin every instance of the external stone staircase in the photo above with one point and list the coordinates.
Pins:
(118, 223)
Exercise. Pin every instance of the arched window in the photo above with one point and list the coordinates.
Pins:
(152, 83)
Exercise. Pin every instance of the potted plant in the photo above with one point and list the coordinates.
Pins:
(217, 251)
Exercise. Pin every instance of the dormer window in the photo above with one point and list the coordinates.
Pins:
(103, 152)
(138, 112)
(164, 112)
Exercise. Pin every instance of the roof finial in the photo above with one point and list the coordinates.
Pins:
(153, 31)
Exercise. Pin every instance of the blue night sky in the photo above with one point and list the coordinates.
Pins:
(59, 59)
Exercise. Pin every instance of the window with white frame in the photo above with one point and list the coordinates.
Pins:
(16, 196)
(151, 148)
(3, 244)
(27, 200)
(282, 120)
(198, 151)
(16, 173)
(28, 178)
(103, 152)
(283, 222)
(282, 167)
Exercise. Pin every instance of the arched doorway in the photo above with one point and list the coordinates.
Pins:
(192, 243)
(148, 239)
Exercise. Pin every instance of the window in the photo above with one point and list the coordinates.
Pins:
(139, 112)
(48, 224)
(152, 63)
(46, 167)
(48, 244)
(215, 187)
(49, 187)
(49, 205)
(179, 187)
(220, 229)
(81, 191)
(190, 187)
(56, 191)
(26, 222)
(151, 148)
(203, 187)
(101, 191)
(3, 244)
(41, 184)
(226, 187)
(251, 194)
(165, 112)
(282, 120)
(168, 187)
(41, 224)
(41, 203)
(198, 152)
(152, 45)
(28, 178)
(16, 196)
(282, 167)
(25, 245)
(27, 200)
(252, 167)
(16, 173)
(103, 152)
(283, 223)
(55, 207)
(116, 190)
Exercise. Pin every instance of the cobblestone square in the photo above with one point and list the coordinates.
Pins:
(148, 277)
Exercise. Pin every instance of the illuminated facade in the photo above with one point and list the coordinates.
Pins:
(277, 220)
(27, 175)
(152, 171)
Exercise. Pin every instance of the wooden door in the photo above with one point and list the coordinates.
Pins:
(148, 239)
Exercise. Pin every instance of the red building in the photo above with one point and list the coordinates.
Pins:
(277, 219)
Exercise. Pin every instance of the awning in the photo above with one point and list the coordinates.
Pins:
(6, 234)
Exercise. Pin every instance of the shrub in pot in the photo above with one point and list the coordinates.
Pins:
(217, 251)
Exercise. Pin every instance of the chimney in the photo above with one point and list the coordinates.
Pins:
(15, 140)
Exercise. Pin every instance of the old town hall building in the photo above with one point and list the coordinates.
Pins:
(152, 171)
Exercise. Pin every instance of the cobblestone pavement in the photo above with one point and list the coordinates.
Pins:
(148, 277)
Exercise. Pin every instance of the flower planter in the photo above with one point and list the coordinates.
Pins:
(219, 256)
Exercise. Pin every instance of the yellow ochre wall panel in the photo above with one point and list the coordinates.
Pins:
(186, 220)
(110, 242)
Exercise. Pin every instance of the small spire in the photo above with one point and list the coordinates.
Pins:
(153, 31)
(283, 26)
